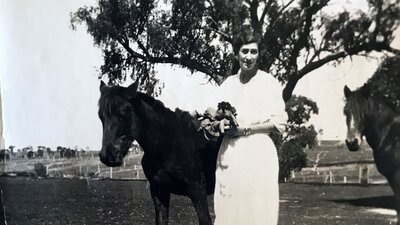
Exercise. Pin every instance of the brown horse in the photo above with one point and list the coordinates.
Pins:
(177, 158)
(373, 118)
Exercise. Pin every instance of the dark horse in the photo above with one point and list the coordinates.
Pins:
(177, 159)
(373, 118)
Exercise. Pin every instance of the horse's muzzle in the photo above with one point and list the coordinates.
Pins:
(353, 145)
(112, 160)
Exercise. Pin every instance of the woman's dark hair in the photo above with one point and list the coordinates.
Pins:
(244, 38)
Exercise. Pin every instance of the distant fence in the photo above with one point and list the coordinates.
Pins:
(78, 167)
(361, 173)
(135, 173)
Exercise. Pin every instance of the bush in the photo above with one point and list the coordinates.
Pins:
(40, 170)
(30, 155)
(291, 158)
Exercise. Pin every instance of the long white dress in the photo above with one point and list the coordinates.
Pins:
(246, 190)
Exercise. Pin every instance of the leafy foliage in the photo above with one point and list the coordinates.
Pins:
(300, 135)
(299, 110)
(297, 36)
(385, 82)
(291, 158)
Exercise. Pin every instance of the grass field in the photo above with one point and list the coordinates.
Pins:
(76, 201)
(338, 154)
(85, 199)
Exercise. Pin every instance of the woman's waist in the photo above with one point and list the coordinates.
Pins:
(259, 144)
(249, 138)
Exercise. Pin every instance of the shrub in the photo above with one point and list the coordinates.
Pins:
(291, 158)
(40, 170)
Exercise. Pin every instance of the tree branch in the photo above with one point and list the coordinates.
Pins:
(368, 47)
(309, 11)
(141, 46)
(224, 35)
(280, 13)
(377, 20)
(183, 61)
(130, 50)
(318, 52)
(266, 8)
(253, 16)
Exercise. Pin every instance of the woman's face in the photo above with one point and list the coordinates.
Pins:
(248, 56)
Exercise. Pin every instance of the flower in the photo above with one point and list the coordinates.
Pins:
(214, 122)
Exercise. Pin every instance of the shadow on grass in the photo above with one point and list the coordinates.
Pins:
(386, 202)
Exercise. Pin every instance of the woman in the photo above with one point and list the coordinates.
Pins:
(246, 190)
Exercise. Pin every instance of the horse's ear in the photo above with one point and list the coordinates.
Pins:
(347, 91)
(132, 89)
(102, 86)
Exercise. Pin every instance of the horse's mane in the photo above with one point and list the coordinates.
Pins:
(111, 101)
(183, 119)
(114, 100)
(361, 103)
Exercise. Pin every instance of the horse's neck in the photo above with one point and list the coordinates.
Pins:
(153, 124)
(378, 124)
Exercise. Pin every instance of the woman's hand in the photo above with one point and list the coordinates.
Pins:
(233, 132)
(222, 125)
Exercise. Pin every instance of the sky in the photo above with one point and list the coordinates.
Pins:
(49, 79)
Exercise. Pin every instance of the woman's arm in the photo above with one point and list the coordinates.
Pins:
(263, 127)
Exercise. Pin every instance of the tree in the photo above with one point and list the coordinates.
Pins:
(40, 151)
(320, 155)
(11, 148)
(30, 154)
(291, 158)
(300, 135)
(12, 153)
(299, 110)
(297, 36)
(49, 151)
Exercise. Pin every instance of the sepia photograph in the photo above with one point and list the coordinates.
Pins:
(200, 112)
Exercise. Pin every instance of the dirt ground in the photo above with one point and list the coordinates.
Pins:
(56, 201)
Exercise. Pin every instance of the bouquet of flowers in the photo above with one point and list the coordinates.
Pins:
(214, 122)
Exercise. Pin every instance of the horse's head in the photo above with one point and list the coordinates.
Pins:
(120, 123)
(354, 110)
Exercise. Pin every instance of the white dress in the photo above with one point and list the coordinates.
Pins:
(246, 189)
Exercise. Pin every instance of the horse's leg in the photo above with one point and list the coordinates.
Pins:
(397, 205)
(198, 194)
(161, 204)
(394, 182)
(396, 190)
